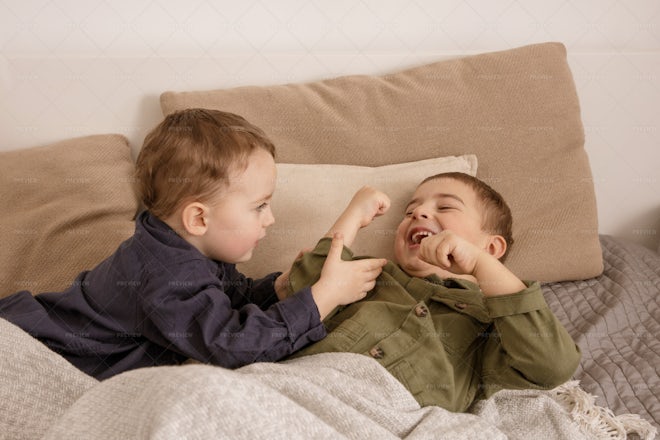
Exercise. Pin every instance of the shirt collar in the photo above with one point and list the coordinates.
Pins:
(149, 227)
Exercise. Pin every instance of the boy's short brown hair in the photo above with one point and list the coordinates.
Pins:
(497, 218)
(190, 155)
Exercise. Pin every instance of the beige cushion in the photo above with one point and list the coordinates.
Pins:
(67, 206)
(517, 110)
(309, 198)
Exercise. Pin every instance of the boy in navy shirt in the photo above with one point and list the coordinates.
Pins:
(171, 291)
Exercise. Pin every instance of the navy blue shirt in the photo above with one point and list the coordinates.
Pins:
(158, 301)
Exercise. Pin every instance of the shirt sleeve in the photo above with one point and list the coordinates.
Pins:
(246, 290)
(528, 347)
(190, 311)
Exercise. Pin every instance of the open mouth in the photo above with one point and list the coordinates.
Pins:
(418, 234)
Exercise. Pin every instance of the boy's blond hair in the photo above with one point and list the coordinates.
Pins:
(189, 156)
(497, 218)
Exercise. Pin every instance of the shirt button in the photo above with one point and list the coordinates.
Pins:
(460, 305)
(421, 311)
(376, 352)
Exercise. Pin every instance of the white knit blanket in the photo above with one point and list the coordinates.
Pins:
(332, 395)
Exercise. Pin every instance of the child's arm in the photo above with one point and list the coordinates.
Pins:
(451, 252)
(367, 204)
(343, 282)
(198, 315)
(527, 346)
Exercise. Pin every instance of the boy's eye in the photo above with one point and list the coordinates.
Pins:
(410, 210)
(262, 206)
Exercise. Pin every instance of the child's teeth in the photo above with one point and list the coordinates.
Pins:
(419, 236)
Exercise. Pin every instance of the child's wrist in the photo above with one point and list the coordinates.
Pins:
(323, 301)
(484, 262)
(281, 285)
(494, 278)
(348, 224)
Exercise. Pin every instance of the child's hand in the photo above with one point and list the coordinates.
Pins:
(367, 204)
(457, 255)
(451, 252)
(343, 282)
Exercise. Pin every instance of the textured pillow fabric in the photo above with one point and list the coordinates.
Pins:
(309, 198)
(67, 206)
(517, 110)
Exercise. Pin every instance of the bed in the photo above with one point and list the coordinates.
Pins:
(510, 117)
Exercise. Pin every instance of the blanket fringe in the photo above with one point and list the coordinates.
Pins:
(599, 422)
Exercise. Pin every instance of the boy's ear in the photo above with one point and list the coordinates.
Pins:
(194, 218)
(496, 246)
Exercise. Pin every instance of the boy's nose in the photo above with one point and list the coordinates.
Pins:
(420, 212)
(269, 219)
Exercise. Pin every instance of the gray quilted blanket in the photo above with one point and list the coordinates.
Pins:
(615, 319)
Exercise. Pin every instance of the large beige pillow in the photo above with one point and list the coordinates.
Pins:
(517, 110)
(67, 206)
(309, 198)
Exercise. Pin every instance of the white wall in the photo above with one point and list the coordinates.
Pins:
(76, 67)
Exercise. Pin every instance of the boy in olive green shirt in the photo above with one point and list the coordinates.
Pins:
(449, 320)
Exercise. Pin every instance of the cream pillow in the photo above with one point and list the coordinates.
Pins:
(517, 110)
(309, 198)
(67, 206)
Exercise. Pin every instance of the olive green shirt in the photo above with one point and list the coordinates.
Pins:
(442, 339)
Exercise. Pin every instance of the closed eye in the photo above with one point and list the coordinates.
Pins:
(411, 208)
(262, 206)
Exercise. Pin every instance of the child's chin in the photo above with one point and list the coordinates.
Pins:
(413, 264)
(242, 259)
(245, 258)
